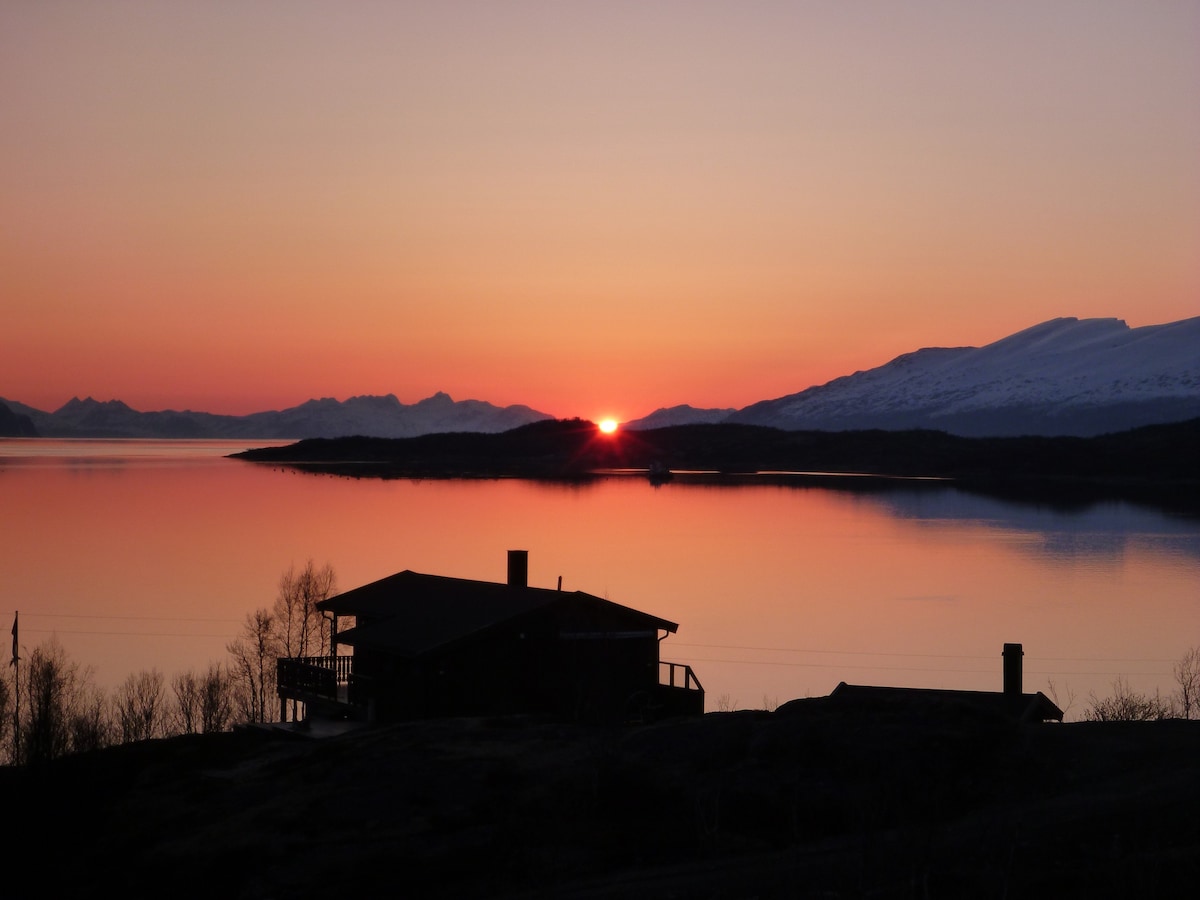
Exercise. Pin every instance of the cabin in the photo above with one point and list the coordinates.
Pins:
(1012, 702)
(429, 646)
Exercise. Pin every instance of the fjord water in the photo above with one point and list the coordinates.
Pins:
(148, 554)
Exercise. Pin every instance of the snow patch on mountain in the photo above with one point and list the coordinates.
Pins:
(678, 415)
(369, 416)
(1064, 376)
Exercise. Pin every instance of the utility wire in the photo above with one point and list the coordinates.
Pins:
(918, 655)
(857, 668)
(143, 618)
(125, 633)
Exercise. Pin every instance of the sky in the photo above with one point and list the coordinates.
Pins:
(594, 209)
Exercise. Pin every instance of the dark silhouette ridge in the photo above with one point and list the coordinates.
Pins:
(1158, 463)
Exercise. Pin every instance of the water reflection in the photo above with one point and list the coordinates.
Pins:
(1103, 528)
(780, 591)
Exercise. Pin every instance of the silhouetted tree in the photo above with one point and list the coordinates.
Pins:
(299, 628)
(203, 703)
(140, 707)
(1187, 676)
(90, 722)
(1126, 705)
(185, 718)
(216, 700)
(60, 711)
(1063, 699)
(6, 713)
(253, 657)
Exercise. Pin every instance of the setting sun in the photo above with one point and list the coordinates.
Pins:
(608, 426)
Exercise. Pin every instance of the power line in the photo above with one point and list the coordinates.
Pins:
(125, 618)
(857, 668)
(919, 655)
(833, 665)
(125, 633)
(838, 652)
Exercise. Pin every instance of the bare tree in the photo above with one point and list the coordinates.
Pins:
(60, 710)
(140, 707)
(1126, 705)
(1187, 676)
(216, 700)
(90, 723)
(185, 717)
(253, 657)
(292, 628)
(203, 703)
(299, 626)
(6, 713)
(1063, 701)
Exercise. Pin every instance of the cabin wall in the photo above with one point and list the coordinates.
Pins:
(583, 669)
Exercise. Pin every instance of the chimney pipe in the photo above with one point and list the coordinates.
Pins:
(1013, 681)
(518, 568)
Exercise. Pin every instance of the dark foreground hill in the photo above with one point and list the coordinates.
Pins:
(809, 801)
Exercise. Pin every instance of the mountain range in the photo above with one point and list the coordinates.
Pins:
(367, 415)
(1066, 376)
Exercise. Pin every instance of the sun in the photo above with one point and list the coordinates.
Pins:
(608, 426)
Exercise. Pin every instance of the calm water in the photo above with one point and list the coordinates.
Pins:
(148, 554)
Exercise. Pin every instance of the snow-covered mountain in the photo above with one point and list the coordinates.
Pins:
(678, 415)
(1066, 376)
(375, 416)
(1063, 377)
(371, 416)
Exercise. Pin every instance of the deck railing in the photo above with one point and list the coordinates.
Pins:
(333, 678)
(679, 690)
(678, 675)
(314, 676)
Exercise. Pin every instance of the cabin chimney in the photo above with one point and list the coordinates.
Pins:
(1013, 682)
(518, 568)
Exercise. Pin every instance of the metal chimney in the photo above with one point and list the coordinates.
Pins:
(518, 568)
(1013, 680)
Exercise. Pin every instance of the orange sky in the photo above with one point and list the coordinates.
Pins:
(593, 209)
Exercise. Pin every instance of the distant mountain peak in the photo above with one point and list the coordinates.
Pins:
(441, 398)
(90, 403)
(1064, 376)
(678, 415)
(364, 414)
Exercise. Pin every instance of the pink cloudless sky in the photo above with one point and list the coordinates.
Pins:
(593, 209)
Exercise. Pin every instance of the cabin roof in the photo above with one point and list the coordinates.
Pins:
(411, 613)
(1036, 707)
